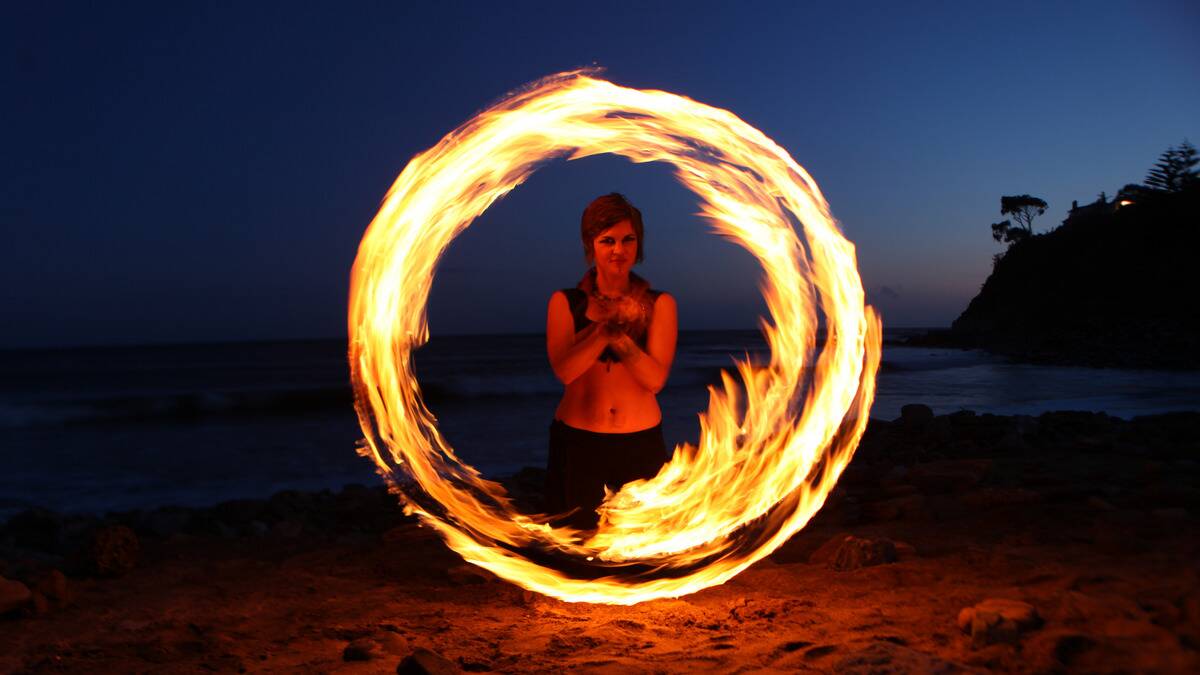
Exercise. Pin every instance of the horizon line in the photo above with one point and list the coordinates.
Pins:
(343, 338)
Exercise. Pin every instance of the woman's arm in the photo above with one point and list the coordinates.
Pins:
(570, 354)
(651, 367)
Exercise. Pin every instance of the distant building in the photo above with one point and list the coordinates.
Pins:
(1099, 207)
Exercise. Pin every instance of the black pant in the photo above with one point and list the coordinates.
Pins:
(583, 462)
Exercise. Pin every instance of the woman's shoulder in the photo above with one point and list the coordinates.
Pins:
(660, 301)
(571, 295)
(576, 299)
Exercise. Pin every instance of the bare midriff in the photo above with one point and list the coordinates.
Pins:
(607, 399)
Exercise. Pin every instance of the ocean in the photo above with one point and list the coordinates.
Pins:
(92, 430)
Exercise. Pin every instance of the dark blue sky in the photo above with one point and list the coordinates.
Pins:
(194, 172)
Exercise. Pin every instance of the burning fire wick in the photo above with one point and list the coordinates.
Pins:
(771, 447)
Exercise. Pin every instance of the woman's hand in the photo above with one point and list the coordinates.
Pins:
(612, 330)
(619, 340)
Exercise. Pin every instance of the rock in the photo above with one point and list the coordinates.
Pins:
(287, 529)
(846, 552)
(468, 575)
(887, 657)
(897, 508)
(948, 475)
(375, 647)
(363, 649)
(53, 585)
(998, 620)
(38, 605)
(390, 643)
(1012, 443)
(36, 529)
(916, 414)
(166, 521)
(13, 595)
(1068, 648)
(1099, 504)
(425, 662)
(112, 551)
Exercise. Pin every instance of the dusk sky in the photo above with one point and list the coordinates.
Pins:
(189, 172)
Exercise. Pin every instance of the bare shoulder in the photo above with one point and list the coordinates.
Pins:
(665, 312)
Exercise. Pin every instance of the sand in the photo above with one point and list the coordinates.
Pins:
(1089, 521)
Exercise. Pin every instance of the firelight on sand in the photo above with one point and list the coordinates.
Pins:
(771, 447)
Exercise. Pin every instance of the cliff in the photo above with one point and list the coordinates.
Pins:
(1110, 287)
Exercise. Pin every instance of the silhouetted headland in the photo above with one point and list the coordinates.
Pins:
(1114, 286)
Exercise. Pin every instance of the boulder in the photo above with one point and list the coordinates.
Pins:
(166, 521)
(38, 605)
(916, 414)
(997, 620)
(362, 649)
(36, 529)
(425, 662)
(53, 585)
(111, 551)
(13, 595)
(846, 552)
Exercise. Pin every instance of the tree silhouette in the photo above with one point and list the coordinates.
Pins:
(1023, 209)
(1175, 170)
(1004, 231)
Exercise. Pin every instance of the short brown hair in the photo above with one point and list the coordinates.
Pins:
(603, 213)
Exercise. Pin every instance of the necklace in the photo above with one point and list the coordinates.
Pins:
(607, 300)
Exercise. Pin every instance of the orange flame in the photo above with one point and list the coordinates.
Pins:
(771, 448)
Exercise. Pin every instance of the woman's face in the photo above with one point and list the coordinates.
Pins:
(615, 249)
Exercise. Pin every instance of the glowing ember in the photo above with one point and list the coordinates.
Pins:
(770, 448)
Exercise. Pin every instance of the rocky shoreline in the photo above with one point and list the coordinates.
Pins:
(955, 543)
(1108, 288)
(1167, 353)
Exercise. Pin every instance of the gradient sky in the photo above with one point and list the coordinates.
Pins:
(204, 171)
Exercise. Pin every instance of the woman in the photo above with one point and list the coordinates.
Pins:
(611, 341)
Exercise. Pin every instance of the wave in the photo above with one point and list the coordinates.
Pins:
(169, 407)
(188, 406)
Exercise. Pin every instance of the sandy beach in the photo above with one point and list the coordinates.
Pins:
(960, 543)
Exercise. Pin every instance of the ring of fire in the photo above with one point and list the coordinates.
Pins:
(775, 443)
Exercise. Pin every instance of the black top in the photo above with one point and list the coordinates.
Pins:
(577, 299)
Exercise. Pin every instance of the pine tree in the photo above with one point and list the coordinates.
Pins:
(1175, 170)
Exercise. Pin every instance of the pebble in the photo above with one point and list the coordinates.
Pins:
(998, 620)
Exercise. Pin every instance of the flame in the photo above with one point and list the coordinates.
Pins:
(771, 447)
